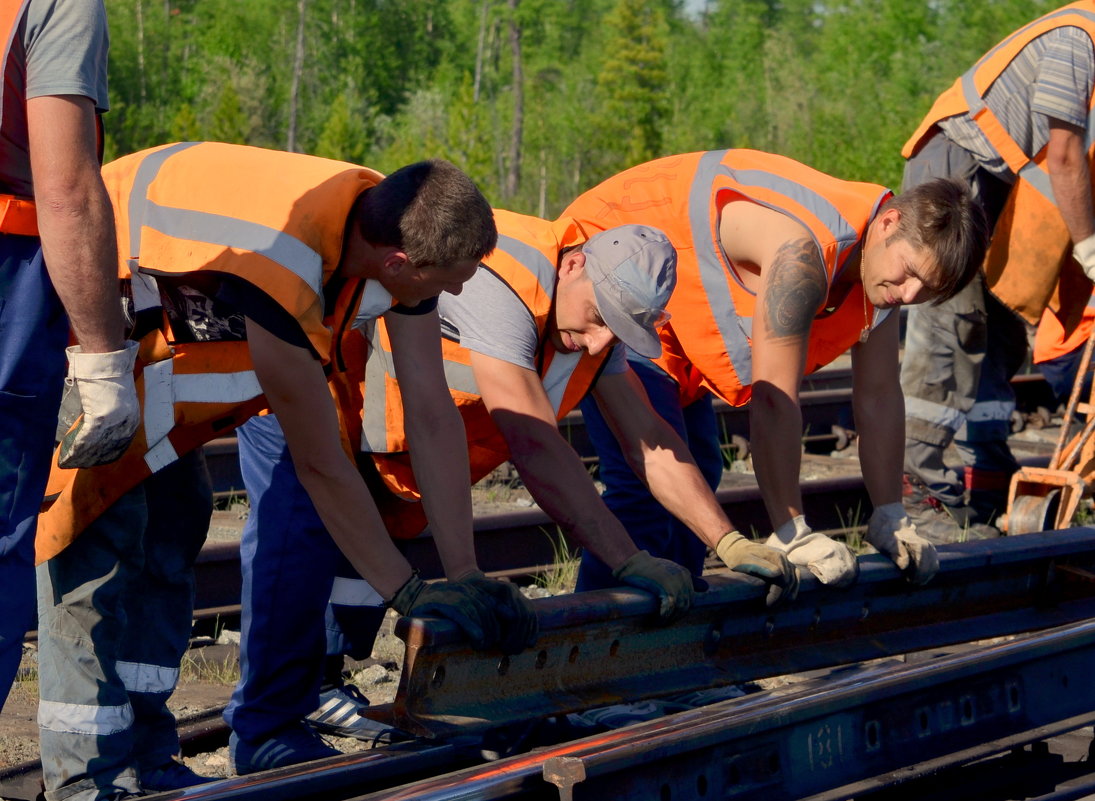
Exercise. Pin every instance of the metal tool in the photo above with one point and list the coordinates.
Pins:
(1044, 498)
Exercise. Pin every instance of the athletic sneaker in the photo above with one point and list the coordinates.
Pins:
(290, 745)
(339, 713)
(171, 775)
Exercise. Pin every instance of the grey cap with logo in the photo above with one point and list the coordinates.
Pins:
(634, 270)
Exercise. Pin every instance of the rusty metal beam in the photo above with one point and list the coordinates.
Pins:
(850, 730)
(597, 648)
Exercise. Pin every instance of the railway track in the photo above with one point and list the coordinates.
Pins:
(729, 639)
(488, 726)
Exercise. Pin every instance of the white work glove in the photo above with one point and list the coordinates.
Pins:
(99, 409)
(742, 555)
(1084, 252)
(893, 534)
(831, 562)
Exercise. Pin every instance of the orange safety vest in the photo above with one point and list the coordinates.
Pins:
(712, 311)
(1051, 341)
(526, 258)
(274, 219)
(1028, 265)
(17, 214)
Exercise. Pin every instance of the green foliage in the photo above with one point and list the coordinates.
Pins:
(839, 84)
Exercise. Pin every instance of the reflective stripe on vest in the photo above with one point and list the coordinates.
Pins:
(557, 369)
(712, 309)
(966, 94)
(274, 219)
(190, 393)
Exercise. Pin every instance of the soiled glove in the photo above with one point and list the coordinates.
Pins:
(831, 562)
(671, 583)
(1084, 252)
(515, 612)
(99, 406)
(893, 534)
(742, 555)
(462, 604)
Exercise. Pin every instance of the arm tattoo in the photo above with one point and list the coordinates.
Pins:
(796, 288)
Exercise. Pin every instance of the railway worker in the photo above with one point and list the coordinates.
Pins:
(533, 331)
(782, 269)
(1015, 128)
(239, 289)
(56, 258)
(542, 327)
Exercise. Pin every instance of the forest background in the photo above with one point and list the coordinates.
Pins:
(540, 99)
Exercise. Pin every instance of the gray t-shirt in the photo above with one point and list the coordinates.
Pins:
(1053, 76)
(488, 317)
(60, 48)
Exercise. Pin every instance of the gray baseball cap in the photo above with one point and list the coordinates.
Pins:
(634, 270)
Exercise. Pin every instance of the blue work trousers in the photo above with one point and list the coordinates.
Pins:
(650, 525)
(290, 565)
(115, 615)
(33, 335)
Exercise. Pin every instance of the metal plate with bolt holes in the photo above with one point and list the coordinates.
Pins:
(600, 648)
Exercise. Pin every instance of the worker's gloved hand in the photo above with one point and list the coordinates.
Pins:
(99, 406)
(670, 582)
(515, 612)
(893, 534)
(462, 604)
(830, 561)
(742, 555)
(1084, 252)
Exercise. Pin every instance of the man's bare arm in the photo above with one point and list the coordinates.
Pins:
(75, 219)
(297, 392)
(550, 468)
(435, 431)
(660, 457)
(1070, 177)
(793, 288)
(879, 408)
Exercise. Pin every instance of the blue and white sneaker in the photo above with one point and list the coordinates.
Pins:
(339, 713)
(290, 745)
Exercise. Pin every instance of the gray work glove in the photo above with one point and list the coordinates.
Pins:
(669, 582)
(893, 534)
(742, 555)
(99, 408)
(830, 561)
(515, 612)
(462, 604)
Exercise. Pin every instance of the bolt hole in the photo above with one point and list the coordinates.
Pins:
(872, 734)
(614, 648)
(541, 660)
(503, 666)
(438, 677)
(573, 656)
(967, 710)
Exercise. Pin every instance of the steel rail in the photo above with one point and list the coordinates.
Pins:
(522, 542)
(826, 402)
(789, 743)
(598, 648)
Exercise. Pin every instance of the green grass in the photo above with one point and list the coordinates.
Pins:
(563, 573)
